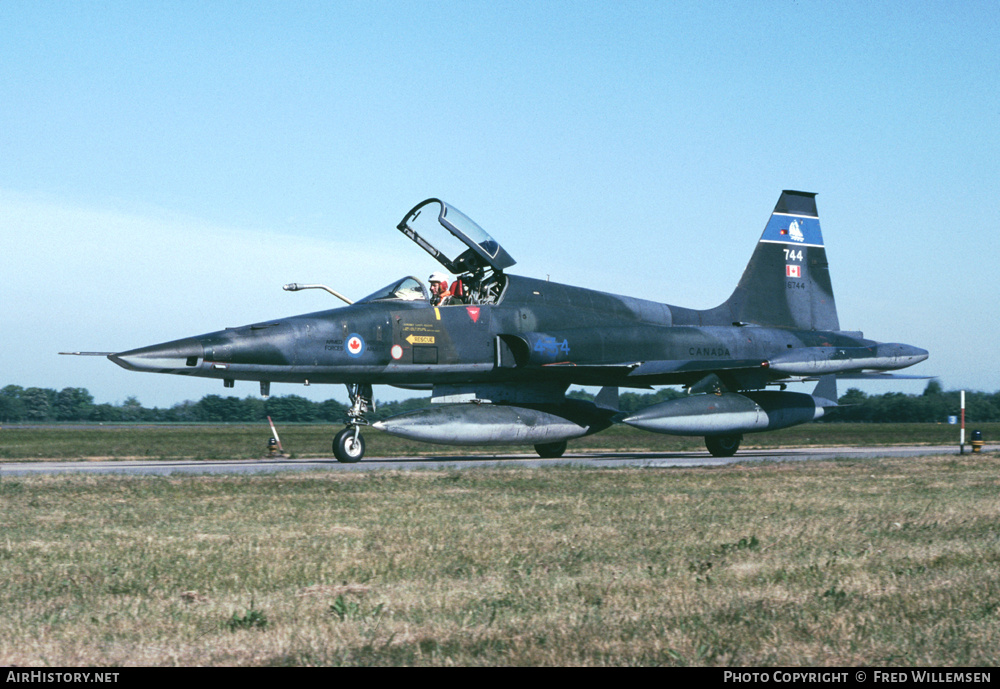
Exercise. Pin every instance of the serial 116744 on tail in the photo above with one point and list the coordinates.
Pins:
(498, 351)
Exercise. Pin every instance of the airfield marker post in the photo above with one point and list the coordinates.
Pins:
(961, 433)
(274, 431)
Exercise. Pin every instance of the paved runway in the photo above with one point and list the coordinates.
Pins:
(587, 459)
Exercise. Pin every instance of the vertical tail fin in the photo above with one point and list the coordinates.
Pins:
(787, 281)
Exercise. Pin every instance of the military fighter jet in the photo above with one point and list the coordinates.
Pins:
(498, 351)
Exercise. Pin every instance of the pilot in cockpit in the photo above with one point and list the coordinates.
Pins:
(440, 294)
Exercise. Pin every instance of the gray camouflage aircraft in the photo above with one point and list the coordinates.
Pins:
(500, 353)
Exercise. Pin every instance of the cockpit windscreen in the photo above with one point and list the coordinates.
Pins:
(407, 289)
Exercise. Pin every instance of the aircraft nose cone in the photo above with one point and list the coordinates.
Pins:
(178, 356)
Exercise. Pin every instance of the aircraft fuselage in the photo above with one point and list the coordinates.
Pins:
(541, 331)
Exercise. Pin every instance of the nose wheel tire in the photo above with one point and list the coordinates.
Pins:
(348, 449)
(723, 445)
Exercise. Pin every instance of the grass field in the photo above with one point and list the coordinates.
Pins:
(304, 441)
(884, 562)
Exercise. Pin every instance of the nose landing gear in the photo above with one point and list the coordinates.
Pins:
(348, 444)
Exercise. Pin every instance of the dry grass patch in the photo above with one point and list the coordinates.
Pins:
(836, 563)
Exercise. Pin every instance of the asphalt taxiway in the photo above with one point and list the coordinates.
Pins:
(582, 459)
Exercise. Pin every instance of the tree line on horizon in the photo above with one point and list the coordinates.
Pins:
(44, 405)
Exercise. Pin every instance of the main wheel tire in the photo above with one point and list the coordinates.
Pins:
(551, 450)
(723, 445)
(346, 449)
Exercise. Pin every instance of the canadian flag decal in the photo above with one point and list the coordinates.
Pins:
(793, 271)
(473, 313)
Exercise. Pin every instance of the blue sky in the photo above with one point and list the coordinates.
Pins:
(166, 166)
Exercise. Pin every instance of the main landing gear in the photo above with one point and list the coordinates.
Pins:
(723, 445)
(348, 444)
(551, 450)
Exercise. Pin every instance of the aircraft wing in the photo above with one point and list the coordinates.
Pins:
(879, 375)
(753, 372)
(645, 374)
(655, 369)
(651, 369)
(667, 369)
